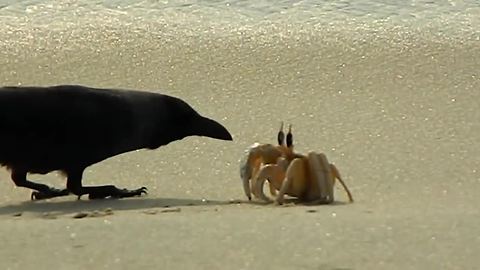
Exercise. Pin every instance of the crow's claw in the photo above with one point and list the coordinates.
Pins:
(118, 193)
(51, 193)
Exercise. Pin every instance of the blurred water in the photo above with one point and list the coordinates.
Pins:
(451, 15)
(298, 10)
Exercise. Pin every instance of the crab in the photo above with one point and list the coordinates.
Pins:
(309, 178)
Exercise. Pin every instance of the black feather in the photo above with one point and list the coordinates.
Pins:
(69, 128)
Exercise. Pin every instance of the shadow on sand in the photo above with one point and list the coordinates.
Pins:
(65, 207)
(73, 206)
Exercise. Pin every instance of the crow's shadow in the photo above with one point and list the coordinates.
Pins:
(74, 206)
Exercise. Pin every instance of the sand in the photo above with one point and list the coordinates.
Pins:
(398, 115)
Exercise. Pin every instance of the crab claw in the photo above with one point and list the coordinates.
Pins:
(274, 174)
(246, 187)
(246, 174)
(254, 157)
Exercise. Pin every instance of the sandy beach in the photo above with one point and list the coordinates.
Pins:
(396, 109)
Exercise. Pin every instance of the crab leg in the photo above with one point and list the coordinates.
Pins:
(295, 180)
(329, 179)
(336, 174)
(321, 173)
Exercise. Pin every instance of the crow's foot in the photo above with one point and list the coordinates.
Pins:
(113, 192)
(50, 193)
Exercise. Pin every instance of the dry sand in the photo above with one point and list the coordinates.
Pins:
(399, 116)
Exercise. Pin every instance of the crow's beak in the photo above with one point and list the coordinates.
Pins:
(207, 127)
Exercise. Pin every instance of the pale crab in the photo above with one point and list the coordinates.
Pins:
(309, 178)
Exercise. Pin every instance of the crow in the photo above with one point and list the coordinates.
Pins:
(67, 128)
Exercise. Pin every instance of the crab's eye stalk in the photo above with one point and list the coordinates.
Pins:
(281, 135)
(289, 137)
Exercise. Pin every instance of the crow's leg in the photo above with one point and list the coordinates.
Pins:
(42, 191)
(74, 184)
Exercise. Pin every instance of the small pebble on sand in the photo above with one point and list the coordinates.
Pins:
(48, 215)
(150, 212)
(80, 215)
(171, 210)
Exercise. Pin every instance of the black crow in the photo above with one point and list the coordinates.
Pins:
(68, 128)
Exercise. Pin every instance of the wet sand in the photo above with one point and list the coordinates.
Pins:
(397, 112)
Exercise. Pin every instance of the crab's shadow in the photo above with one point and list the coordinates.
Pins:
(69, 206)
